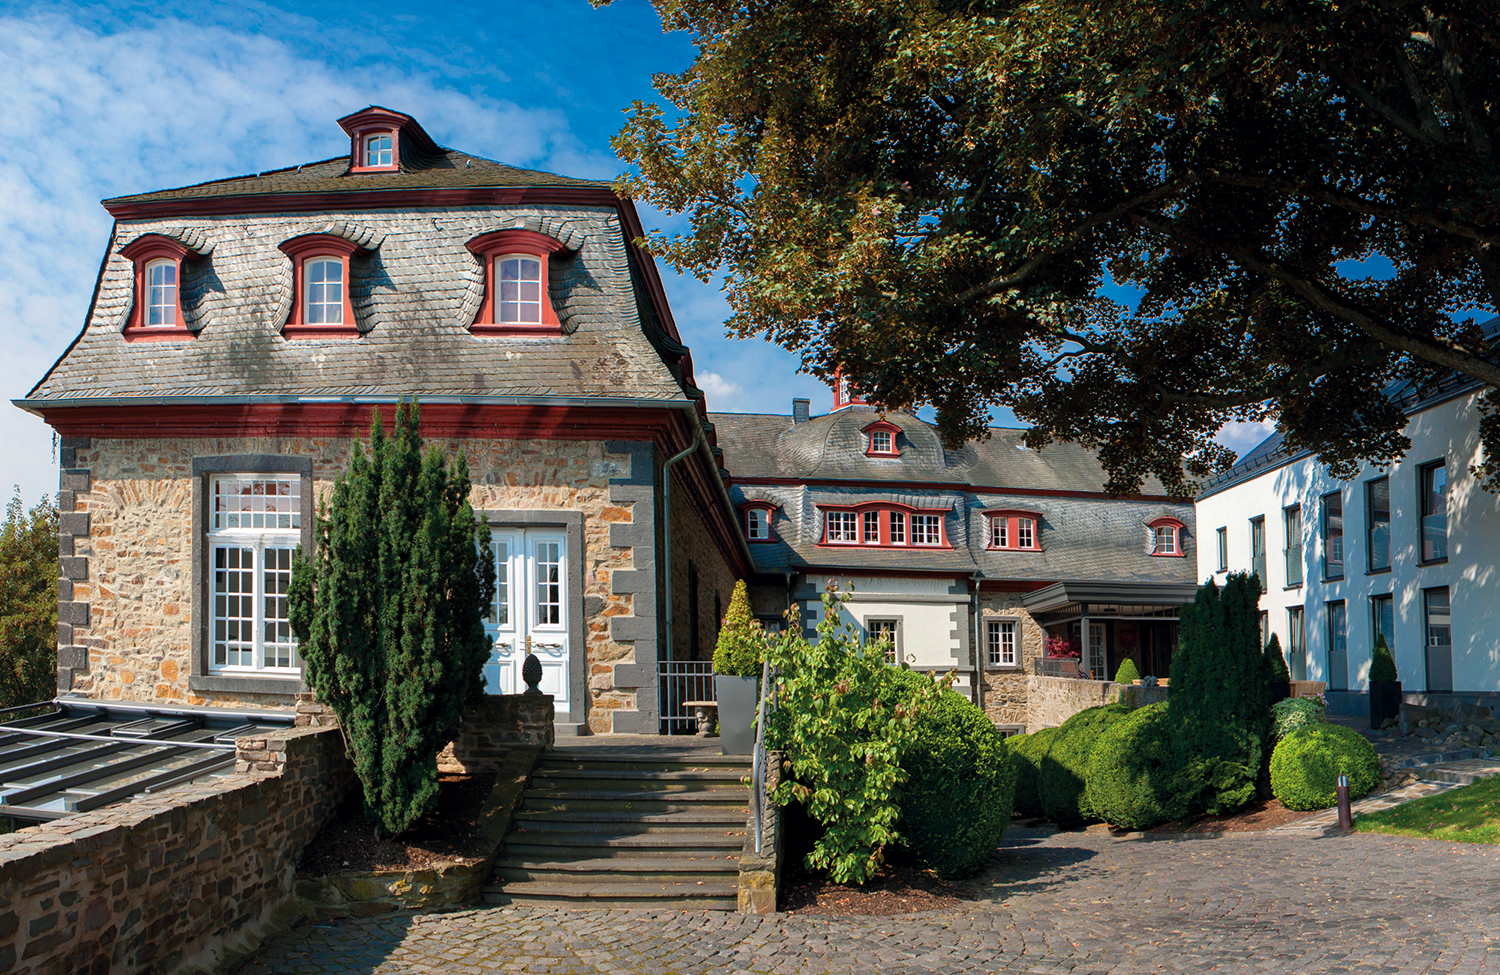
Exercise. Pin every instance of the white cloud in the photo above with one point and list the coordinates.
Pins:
(1241, 436)
(718, 389)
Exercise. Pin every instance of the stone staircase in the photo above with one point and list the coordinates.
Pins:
(647, 824)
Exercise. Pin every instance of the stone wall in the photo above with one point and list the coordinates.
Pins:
(125, 613)
(497, 726)
(693, 547)
(1006, 691)
(1052, 700)
(191, 876)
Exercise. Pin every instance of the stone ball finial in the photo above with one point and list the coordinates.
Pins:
(531, 673)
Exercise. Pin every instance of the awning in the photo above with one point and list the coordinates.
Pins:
(1061, 595)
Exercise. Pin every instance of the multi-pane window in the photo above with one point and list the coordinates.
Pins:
(499, 614)
(1013, 530)
(519, 301)
(880, 442)
(1000, 642)
(1164, 540)
(161, 288)
(378, 150)
(898, 528)
(1292, 519)
(872, 528)
(1378, 523)
(1258, 547)
(1434, 480)
(1438, 626)
(885, 634)
(1338, 647)
(758, 524)
(1333, 536)
(999, 532)
(325, 291)
(1026, 533)
(1297, 642)
(549, 569)
(926, 530)
(1223, 538)
(1382, 619)
(843, 527)
(255, 524)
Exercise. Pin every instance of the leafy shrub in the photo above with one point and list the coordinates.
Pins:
(28, 603)
(1307, 763)
(1277, 661)
(1061, 772)
(1382, 664)
(960, 784)
(1127, 672)
(1293, 713)
(844, 725)
(742, 642)
(1026, 753)
(1132, 774)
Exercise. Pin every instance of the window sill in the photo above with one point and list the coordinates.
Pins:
(291, 331)
(247, 684)
(491, 329)
(1337, 578)
(1442, 561)
(158, 334)
(1167, 555)
(1378, 572)
(1297, 585)
(1002, 668)
(998, 548)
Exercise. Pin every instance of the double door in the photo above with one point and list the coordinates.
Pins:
(530, 611)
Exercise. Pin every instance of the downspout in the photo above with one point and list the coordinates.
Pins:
(666, 525)
(978, 649)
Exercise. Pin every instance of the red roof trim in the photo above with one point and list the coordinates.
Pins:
(951, 486)
(1166, 520)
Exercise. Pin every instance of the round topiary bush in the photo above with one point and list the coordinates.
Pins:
(1127, 672)
(1306, 765)
(957, 799)
(1061, 775)
(1293, 713)
(1131, 772)
(1026, 752)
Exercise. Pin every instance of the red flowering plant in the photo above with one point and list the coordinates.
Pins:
(1061, 647)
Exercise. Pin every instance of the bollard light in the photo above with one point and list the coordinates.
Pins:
(1346, 815)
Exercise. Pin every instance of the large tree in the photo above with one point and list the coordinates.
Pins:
(931, 194)
(28, 603)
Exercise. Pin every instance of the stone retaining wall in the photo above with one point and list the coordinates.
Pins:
(497, 726)
(760, 874)
(1052, 700)
(189, 877)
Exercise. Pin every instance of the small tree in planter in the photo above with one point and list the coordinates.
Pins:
(737, 658)
(1280, 685)
(389, 614)
(1385, 685)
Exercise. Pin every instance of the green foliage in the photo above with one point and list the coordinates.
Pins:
(932, 196)
(1382, 664)
(1219, 703)
(389, 614)
(1062, 771)
(1127, 672)
(742, 642)
(28, 603)
(1027, 752)
(960, 784)
(1307, 763)
(844, 724)
(1277, 661)
(1132, 773)
(1469, 814)
(1294, 713)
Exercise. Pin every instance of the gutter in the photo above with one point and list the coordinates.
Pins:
(666, 527)
(35, 406)
(979, 660)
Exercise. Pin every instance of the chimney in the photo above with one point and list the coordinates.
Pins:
(799, 410)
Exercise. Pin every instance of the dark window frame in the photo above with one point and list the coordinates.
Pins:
(1370, 525)
(1287, 514)
(1223, 540)
(1423, 470)
(1325, 520)
(1258, 549)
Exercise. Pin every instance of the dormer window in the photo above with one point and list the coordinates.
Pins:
(516, 299)
(758, 521)
(320, 287)
(1166, 537)
(881, 439)
(1014, 531)
(379, 137)
(378, 153)
(883, 525)
(156, 312)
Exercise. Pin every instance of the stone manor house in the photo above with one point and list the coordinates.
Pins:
(242, 332)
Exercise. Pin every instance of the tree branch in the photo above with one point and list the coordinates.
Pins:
(1453, 72)
(1430, 123)
(1363, 95)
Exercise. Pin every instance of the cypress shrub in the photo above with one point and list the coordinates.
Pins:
(1307, 763)
(1127, 672)
(742, 642)
(1276, 660)
(1219, 704)
(1061, 772)
(1131, 780)
(960, 786)
(1382, 664)
(1026, 755)
(389, 614)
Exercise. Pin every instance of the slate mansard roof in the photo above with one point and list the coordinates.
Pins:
(415, 291)
(802, 466)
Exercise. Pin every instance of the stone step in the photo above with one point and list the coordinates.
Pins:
(622, 776)
(652, 803)
(542, 825)
(551, 763)
(521, 850)
(1465, 772)
(594, 787)
(676, 817)
(600, 870)
(696, 896)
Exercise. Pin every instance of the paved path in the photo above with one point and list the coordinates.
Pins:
(1051, 903)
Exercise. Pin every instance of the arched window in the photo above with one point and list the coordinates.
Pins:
(1166, 537)
(156, 313)
(516, 300)
(320, 299)
(520, 299)
(324, 290)
(378, 154)
(161, 289)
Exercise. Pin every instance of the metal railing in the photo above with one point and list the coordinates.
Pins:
(758, 759)
(1060, 667)
(679, 681)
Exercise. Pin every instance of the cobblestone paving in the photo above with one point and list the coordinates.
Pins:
(1050, 903)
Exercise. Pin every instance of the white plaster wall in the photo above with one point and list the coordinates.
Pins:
(924, 606)
(1445, 431)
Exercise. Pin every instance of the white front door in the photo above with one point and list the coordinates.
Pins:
(530, 611)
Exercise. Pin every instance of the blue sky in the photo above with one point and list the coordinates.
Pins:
(103, 100)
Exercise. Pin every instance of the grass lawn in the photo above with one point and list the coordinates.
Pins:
(1470, 814)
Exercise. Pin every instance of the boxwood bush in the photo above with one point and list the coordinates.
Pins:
(1306, 765)
(1131, 772)
(1026, 753)
(1061, 773)
(1293, 713)
(1127, 672)
(960, 786)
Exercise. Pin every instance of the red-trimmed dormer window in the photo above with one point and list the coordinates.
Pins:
(375, 140)
(1166, 537)
(880, 439)
(320, 287)
(156, 313)
(516, 299)
(758, 520)
(844, 392)
(884, 525)
(1015, 531)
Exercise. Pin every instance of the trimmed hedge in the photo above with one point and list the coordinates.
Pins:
(1382, 664)
(1027, 752)
(1293, 713)
(960, 788)
(1306, 765)
(1132, 772)
(1127, 672)
(1061, 772)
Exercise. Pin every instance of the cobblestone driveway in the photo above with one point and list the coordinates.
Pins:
(1051, 903)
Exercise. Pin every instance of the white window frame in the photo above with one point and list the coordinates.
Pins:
(323, 303)
(166, 307)
(870, 527)
(892, 652)
(898, 528)
(848, 525)
(379, 150)
(231, 527)
(1161, 534)
(882, 442)
(527, 311)
(1002, 653)
(935, 522)
(1025, 533)
(757, 524)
